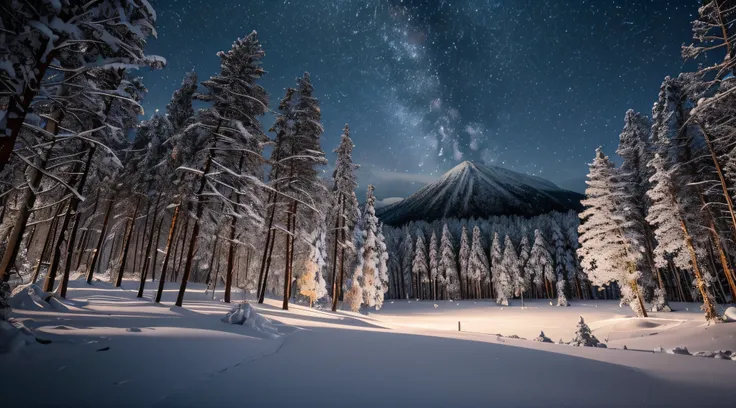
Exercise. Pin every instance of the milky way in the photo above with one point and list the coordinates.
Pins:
(530, 85)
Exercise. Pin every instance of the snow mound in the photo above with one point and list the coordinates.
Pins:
(29, 297)
(244, 314)
(14, 336)
(730, 314)
(681, 350)
(32, 297)
(720, 354)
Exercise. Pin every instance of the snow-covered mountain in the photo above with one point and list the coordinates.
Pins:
(387, 201)
(472, 190)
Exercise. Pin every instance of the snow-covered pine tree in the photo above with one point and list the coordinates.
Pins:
(228, 161)
(312, 283)
(496, 259)
(674, 240)
(408, 277)
(345, 206)
(559, 247)
(630, 192)
(382, 278)
(478, 268)
(367, 272)
(447, 266)
(464, 261)
(508, 273)
(419, 264)
(605, 251)
(540, 262)
(523, 283)
(179, 111)
(583, 336)
(45, 39)
(434, 266)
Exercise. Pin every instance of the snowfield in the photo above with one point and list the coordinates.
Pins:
(110, 349)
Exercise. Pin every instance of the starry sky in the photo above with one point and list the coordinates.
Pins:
(531, 85)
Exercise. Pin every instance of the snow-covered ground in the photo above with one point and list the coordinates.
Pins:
(110, 349)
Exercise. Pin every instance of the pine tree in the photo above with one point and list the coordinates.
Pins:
(345, 204)
(630, 191)
(433, 265)
(312, 283)
(419, 264)
(447, 266)
(179, 110)
(464, 255)
(522, 284)
(583, 336)
(496, 259)
(509, 273)
(407, 255)
(540, 261)
(478, 267)
(605, 251)
(366, 274)
(383, 257)
(224, 134)
(671, 231)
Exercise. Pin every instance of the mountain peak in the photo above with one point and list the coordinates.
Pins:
(472, 190)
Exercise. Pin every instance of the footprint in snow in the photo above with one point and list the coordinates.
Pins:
(104, 348)
(121, 382)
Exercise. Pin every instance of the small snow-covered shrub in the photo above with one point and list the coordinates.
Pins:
(244, 314)
(542, 338)
(584, 337)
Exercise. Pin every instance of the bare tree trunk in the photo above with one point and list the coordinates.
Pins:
(126, 244)
(334, 257)
(100, 241)
(291, 227)
(155, 250)
(708, 308)
(267, 249)
(182, 242)
(73, 208)
(167, 253)
(230, 261)
(50, 236)
(262, 295)
(195, 229)
(147, 254)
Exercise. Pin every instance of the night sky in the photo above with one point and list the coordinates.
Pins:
(530, 85)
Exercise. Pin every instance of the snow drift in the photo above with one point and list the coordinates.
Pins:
(244, 314)
(474, 191)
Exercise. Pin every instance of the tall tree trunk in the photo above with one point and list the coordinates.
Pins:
(195, 229)
(155, 250)
(98, 249)
(182, 242)
(147, 253)
(50, 236)
(126, 244)
(73, 208)
(230, 261)
(291, 227)
(339, 217)
(262, 295)
(708, 308)
(167, 253)
(210, 282)
(268, 248)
